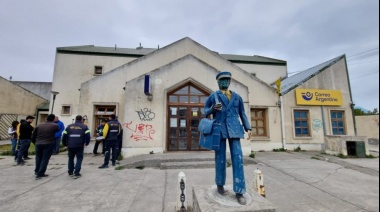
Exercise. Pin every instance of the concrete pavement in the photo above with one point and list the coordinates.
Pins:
(293, 182)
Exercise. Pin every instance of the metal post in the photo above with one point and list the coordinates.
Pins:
(55, 93)
(181, 193)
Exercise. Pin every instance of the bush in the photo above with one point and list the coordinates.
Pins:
(371, 156)
(120, 157)
(297, 149)
(280, 150)
(252, 155)
(342, 156)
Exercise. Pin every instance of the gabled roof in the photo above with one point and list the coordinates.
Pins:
(42, 89)
(294, 81)
(252, 59)
(91, 49)
(140, 51)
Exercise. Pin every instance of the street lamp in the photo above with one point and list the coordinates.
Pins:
(55, 93)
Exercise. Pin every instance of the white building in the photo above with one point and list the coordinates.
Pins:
(100, 81)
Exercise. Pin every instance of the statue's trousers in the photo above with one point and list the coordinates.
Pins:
(237, 165)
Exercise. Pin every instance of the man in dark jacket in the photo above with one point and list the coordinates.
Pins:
(25, 135)
(111, 132)
(43, 139)
(76, 136)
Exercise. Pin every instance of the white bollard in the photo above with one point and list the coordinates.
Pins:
(181, 192)
(258, 183)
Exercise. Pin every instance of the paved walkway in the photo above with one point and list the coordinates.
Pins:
(293, 182)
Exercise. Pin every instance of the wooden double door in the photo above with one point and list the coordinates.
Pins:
(185, 110)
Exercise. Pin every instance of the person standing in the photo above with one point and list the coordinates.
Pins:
(227, 112)
(43, 139)
(25, 130)
(12, 131)
(76, 136)
(98, 140)
(110, 133)
(58, 135)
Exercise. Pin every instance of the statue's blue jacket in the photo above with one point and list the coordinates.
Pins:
(232, 110)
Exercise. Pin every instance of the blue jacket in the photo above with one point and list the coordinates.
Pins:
(232, 110)
(61, 129)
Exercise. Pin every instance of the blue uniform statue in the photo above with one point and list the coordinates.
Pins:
(230, 109)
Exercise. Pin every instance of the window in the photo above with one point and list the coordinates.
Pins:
(98, 70)
(337, 123)
(301, 123)
(66, 110)
(102, 112)
(258, 122)
(188, 95)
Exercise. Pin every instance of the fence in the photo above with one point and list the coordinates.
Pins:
(5, 122)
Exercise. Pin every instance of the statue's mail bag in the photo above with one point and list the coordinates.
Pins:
(210, 132)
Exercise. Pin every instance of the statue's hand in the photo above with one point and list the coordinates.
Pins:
(249, 135)
(218, 106)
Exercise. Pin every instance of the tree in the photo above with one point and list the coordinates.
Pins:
(374, 112)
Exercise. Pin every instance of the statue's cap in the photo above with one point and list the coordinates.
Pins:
(223, 74)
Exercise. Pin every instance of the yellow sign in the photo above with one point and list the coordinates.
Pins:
(318, 97)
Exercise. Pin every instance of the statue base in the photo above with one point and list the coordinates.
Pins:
(207, 198)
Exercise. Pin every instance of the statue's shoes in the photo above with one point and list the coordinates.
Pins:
(221, 190)
(240, 198)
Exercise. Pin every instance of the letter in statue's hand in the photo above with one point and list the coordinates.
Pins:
(218, 106)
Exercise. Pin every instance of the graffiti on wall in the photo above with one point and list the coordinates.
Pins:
(317, 124)
(140, 132)
(146, 114)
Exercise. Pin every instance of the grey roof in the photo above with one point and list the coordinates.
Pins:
(253, 59)
(139, 52)
(44, 106)
(42, 89)
(294, 81)
(106, 50)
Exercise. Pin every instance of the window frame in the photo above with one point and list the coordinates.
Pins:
(97, 117)
(63, 109)
(343, 120)
(308, 135)
(263, 118)
(97, 68)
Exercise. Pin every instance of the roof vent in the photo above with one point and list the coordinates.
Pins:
(140, 47)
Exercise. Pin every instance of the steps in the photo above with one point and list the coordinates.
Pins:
(175, 161)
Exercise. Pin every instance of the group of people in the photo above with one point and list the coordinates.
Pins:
(21, 137)
(47, 137)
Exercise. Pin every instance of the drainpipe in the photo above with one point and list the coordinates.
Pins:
(323, 121)
(282, 122)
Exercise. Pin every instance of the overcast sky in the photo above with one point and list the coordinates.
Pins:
(305, 33)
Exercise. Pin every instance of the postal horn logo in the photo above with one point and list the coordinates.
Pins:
(307, 96)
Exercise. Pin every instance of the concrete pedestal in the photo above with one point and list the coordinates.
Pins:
(207, 199)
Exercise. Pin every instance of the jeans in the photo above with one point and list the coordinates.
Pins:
(110, 145)
(43, 154)
(24, 146)
(237, 165)
(57, 142)
(78, 152)
(14, 144)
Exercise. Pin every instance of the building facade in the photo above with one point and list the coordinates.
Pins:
(159, 94)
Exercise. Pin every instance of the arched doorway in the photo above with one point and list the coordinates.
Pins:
(185, 110)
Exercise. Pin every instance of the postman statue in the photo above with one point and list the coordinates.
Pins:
(228, 111)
